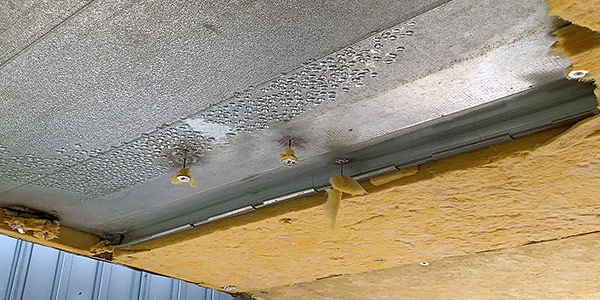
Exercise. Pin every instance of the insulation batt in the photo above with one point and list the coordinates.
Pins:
(580, 41)
(539, 187)
(581, 12)
(581, 46)
(40, 228)
(332, 205)
(347, 184)
(340, 184)
(387, 178)
(102, 247)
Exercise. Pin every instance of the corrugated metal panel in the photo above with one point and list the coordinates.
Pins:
(31, 271)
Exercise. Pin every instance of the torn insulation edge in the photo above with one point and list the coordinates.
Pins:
(332, 205)
(102, 247)
(387, 178)
(24, 222)
(581, 46)
(581, 12)
(347, 184)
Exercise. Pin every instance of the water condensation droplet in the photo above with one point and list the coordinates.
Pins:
(250, 109)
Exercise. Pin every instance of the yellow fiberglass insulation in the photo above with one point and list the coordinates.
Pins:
(340, 184)
(582, 47)
(580, 41)
(24, 222)
(332, 205)
(347, 184)
(387, 178)
(580, 12)
(536, 188)
(102, 247)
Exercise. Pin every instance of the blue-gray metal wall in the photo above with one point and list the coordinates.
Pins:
(33, 272)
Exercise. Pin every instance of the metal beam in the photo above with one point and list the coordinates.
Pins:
(495, 122)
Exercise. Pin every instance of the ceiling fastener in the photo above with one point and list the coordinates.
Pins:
(577, 74)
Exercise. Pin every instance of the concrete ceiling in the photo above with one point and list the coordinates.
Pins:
(97, 96)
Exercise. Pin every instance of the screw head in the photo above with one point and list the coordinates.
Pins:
(288, 162)
(341, 161)
(17, 228)
(576, 74)
(183, 178)
(229, 288)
